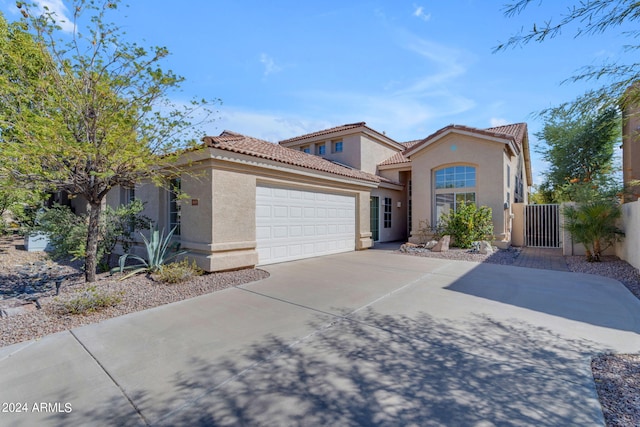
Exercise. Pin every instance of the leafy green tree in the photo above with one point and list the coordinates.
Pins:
(87, 111)
(13, 199)
(590, 17)
(579, 149)
(541, 194)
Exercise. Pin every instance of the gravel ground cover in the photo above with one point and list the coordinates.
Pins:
(616, 376)
(18, 268)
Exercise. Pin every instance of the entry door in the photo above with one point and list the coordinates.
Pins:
(375, 218)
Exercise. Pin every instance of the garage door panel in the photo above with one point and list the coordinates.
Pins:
(293, 224)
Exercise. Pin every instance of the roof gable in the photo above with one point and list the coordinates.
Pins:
(241, 144)
(512, 135)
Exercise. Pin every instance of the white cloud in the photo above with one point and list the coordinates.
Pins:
(270, 65)
(59, 12)
(419, 13)
(497, 121)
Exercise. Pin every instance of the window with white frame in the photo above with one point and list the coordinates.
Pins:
(453, 186)
(322, 149)
(387, 213)
(174, 205)
(337, 146)
(305, 149)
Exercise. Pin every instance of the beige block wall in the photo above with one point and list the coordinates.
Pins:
(453, 150)
(629, 248)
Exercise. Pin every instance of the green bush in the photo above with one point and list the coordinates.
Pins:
(89, 300)
(68, 231)
(178, 272)
(467, 224)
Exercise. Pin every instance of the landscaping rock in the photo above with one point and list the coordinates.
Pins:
(408, 246)
(430, 244)
(443, 244)
(485, 248)
(15, 307)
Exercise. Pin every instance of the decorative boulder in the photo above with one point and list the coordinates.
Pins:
(430, 244)
(486, 248)
(443, 244)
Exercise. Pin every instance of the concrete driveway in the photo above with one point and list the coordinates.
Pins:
(364, 338)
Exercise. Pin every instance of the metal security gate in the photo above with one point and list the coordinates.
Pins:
(542, 226)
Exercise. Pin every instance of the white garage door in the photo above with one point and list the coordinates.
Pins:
(294, 224)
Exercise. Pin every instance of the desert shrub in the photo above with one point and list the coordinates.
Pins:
(178, 272)
(89, 300)
(467, 224)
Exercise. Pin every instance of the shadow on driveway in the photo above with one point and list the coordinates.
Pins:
(393, 370)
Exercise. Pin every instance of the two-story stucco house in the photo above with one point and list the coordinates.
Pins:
(251, 202)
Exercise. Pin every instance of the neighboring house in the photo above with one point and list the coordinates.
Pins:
(631, 147)
(251, 202)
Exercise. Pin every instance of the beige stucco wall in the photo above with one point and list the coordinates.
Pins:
(517, 233)
(218, 213)
(374, 152)
(359, 150)
(453, 150)
(350, 154)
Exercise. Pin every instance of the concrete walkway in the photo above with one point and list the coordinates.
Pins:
(364, 338)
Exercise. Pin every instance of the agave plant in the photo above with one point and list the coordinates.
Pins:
(158, 254)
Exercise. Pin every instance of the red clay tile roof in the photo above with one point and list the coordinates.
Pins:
(337, 129)
(237, 143)
(399, 158)
(516, 130)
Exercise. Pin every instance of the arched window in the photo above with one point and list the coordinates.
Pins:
(452, 186)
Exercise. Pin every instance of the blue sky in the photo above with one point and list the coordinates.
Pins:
(407, 68)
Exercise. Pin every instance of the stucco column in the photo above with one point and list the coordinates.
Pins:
(363, 221)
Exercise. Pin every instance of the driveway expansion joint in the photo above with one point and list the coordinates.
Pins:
(124, 393)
